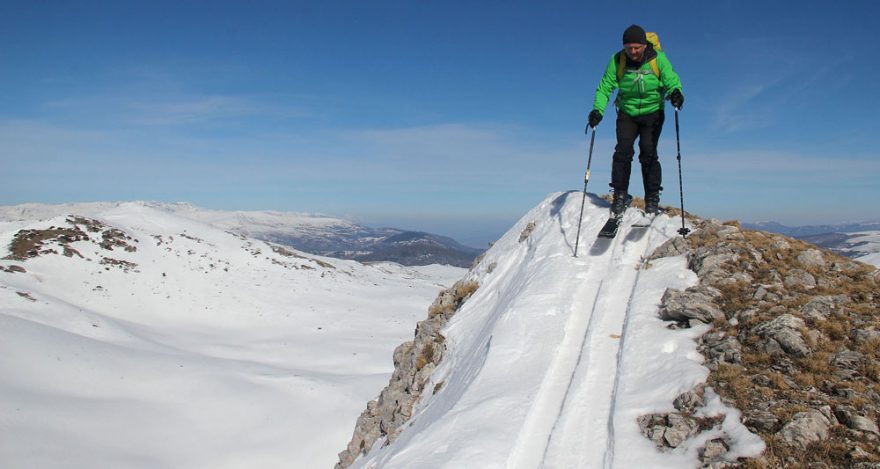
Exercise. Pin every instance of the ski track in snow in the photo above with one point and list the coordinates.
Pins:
(575, 399)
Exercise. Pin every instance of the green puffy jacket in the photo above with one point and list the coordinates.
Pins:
(640, 90)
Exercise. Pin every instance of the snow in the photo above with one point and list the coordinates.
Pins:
(552, 360)
(866, 243)
(214, 351)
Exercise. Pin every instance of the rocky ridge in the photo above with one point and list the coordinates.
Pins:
(793, 344)
(414, 361)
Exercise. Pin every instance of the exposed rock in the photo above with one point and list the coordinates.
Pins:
(709, 263)
(679, 429)
(713, 450)
(863, 336)
(784, 331)
(721, 348)
(821, 307)
(761, 421)
(689, 401)
(805, 428)
(671, 248)
(760, 293)
(668, 430)
(527, 231)
(811, 258)
(848, 416)
(847, 359)
(683, 306)
(780, 243)
(414, 361)
(799, 278)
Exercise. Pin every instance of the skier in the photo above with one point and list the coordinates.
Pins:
(643, 75)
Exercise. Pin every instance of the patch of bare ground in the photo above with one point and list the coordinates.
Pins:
(28, 244)
(26, 296)
(120, 264)
(795, 347)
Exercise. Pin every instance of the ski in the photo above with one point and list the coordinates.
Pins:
(646, 221)
(609, 230)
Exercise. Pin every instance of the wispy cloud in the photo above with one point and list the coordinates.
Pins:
(171, 109)
(763, 85)
(781, 164)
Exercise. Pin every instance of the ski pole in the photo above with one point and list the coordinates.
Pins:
(584, 198)
(683, 231)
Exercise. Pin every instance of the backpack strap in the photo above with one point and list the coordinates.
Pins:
(621, 65)
(654, 67)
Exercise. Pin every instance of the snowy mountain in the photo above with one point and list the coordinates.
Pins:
(550, 360)
(135, 337)
(317, 234)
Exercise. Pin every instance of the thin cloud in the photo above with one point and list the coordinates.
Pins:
(171, 108)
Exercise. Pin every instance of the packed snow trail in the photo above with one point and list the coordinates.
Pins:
(576, 395)
(553, 359)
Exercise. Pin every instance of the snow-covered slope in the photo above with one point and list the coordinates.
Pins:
(553, 359)
(319, 234)
(139, 338)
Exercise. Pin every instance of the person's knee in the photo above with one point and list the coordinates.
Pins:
(647, 157)
(623, 155)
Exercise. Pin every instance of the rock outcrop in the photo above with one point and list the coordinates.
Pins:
(795, 345)
(414, 361)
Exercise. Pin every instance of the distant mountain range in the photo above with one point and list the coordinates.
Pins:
(856, 240)
(802, 231)
(317, 234)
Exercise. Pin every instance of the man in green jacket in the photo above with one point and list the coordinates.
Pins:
(643, 77)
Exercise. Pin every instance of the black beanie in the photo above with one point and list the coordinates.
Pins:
(634, 35)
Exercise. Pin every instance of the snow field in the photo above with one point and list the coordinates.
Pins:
(214, 351)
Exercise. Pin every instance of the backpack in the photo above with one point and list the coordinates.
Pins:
(621, 62)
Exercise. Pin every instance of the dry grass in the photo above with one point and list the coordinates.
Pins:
(426, 356)
(451, 299)
(30, 243)
(794, 384)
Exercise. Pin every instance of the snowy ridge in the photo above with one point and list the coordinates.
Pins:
(314, 233)
(553, 359)
(181, 345)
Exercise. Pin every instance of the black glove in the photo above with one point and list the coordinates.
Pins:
(677, 99)
(595, 118)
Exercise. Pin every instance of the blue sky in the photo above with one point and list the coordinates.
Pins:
(445, 116)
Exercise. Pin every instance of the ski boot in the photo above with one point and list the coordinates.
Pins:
(619, 203)
(652, 203)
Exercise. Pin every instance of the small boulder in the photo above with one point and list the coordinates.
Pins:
(863, 336)
(680, 429)
(848, 416)
(799, 278)
(713, 450)
(684, 306)
(847, 359)
(805, 428)
(821, 307)
(811, 258)
(785, 330)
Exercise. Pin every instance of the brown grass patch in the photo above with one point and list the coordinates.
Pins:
(30, 243)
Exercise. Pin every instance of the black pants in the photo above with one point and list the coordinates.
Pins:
(647, 128)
